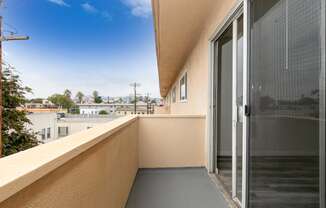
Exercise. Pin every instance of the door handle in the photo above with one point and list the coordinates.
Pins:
(247, 110)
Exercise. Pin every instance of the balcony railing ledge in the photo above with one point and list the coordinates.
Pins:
(22, 169)
(173, 116)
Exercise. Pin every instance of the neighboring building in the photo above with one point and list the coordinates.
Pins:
(50, 126)
(112, 109)
(266, 131)
(45, 107)
(44, 125)
(46, 104)
(72, 124)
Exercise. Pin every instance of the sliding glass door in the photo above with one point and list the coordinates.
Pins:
(287, 99)
(228, 49)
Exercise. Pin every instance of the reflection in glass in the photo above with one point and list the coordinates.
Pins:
(284, 126)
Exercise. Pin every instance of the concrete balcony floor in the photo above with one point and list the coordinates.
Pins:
(175, 188)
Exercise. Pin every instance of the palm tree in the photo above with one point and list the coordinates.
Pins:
(67, 93)
(96, 97)
(80, 97)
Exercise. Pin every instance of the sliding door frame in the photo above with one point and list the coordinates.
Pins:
(234, 107)
(230, 21)
(322, 116)
(246, 101)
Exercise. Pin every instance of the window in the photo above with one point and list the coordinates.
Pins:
(183, 88)
(174, 95)
(63, 131)
(48, 135)
(43, 134)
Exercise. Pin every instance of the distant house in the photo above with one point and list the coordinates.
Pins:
(112, 109)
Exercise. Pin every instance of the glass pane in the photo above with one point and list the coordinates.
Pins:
(285, 88)
(239, 105)
(224, 141)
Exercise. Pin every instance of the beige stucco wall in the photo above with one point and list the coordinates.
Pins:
(100, 177)
(161, 109)
(197, 64)
(97, 167)
(171, 141)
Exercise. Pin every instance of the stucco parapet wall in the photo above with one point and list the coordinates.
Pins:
(22, 169)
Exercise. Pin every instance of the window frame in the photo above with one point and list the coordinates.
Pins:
(174, 94)
(60, 133)
(48, 133)
(43, 134)
(184, 79)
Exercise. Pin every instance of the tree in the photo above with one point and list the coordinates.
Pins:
(79, 97)
(67, 93)
(61, 100)
(96, 97)
(15, 135)
(103, 112)
(74, 110)
(133, 100)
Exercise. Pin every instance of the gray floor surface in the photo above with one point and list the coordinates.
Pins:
(175, 188)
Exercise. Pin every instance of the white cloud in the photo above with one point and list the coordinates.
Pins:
(139, 8)
(59, 2)
(89, 8)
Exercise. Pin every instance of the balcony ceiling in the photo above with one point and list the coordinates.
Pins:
(178, 25)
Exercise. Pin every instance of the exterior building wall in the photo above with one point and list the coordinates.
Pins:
(46, 122)
(170, 141)
(120, 109)
(197, 66)
(94, 110)
(81, 124)
(161, 110)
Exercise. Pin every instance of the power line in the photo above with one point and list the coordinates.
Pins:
(12, 27)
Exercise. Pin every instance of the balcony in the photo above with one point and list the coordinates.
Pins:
(135, 161)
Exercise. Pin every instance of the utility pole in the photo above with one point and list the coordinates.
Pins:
(2, 39)
(148, 103)
(135, 85)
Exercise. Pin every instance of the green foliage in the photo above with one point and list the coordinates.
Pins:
(62, 101)
(96, 97)
(74, 110)
(133, 100)
(103, 112)
(79, 97)
(15, 135)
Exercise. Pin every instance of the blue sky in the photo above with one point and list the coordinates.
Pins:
(82, 45)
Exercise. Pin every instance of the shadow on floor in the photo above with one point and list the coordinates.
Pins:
(175, 188)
